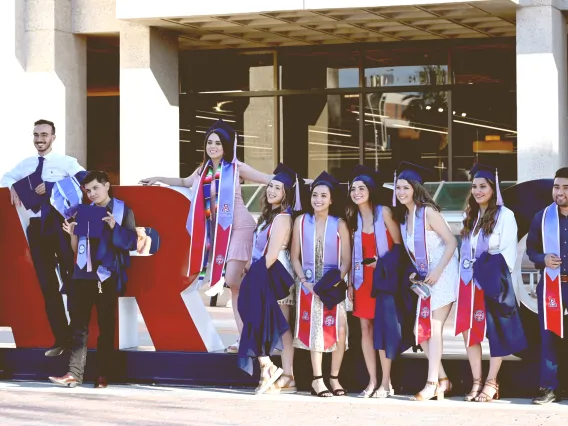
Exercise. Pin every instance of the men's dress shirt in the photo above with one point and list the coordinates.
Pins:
(55, 168)
(563, 224)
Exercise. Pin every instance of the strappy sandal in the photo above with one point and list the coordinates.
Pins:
(475, 390)
(449, 387)
(381, 392)
(484, 396)
(285, 388)
(367, 393)
(273, 373)
(323, 394)
(340, 391)
(439, 395)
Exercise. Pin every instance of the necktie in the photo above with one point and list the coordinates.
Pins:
(39, 169)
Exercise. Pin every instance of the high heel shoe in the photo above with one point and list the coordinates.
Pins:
(448, 388)
(439, 395)
(340, 391)
(323, 394)
(484, 396)
(475, 390)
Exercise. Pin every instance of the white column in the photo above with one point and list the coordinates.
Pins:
(541, 90)
(44, 75)
(149, 99)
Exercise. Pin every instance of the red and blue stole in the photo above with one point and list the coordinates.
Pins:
(551, 281)
(423, 326)
(383, 243)
(199, 224)
(331, 257)
(470, 310)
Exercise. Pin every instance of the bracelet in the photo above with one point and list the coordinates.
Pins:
(303, 279)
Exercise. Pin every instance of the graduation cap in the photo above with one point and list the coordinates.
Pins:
(90, 222)
(331, 288)
(25, 188)
(490, 173)
(226, 133)
(409, 171)
(325, 179)
(289, 178)
(66, 196)
(367, 175)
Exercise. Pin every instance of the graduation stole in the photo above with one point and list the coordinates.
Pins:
(261, 237)
(470, 310)
(423, 326)
(307, 300)
(199, 223)
(383, 243)
(552, 290)
(84, 251)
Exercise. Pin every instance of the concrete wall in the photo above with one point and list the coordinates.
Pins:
(44, 76)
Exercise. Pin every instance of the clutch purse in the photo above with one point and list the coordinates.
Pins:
(422, 290)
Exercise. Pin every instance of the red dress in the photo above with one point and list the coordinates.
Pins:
(363, 303)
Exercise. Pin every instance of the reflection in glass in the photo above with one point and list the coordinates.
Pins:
(251, 117)
(406, 127)
(405, 67)
(321, 133)
(484, 129)
(226, 71)
(307, 69)
(485, 63)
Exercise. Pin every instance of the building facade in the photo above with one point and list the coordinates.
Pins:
(133, 85)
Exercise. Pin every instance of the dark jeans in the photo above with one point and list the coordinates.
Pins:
(48, 253)
(551, 344)
(86, 294)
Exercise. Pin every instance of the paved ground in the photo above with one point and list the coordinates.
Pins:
(26, 403)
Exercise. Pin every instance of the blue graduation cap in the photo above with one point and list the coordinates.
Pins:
(90, 222)
(289, 178)
(331, 288)
(226, 133)
(409, 171)
(490, 173)
(367, 175)
(325, 179)
(25, 188)
(66, 196)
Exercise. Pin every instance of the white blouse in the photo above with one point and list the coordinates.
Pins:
(504, 237)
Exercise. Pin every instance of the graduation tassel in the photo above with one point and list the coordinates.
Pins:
(498, 189)
(297, 201)
(394, 191)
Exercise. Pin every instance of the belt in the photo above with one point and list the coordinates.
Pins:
(564, 278)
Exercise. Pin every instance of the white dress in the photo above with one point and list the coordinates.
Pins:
(445, 290)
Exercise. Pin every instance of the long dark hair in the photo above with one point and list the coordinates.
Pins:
(421, 198)
(352, 210)
(488, 221)
(267, 213)
(227, 148)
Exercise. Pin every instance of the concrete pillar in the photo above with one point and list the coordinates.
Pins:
(149, 103)
(541, 90)
(44, 75)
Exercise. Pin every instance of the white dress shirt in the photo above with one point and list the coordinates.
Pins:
(55, 168)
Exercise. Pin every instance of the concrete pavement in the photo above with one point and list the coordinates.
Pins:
(32, 403)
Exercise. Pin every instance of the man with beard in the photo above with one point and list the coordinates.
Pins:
(50, 248)
(547, 248)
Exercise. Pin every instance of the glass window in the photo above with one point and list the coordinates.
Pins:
(251, 117)
(485, 63)
(407, 126)
(226, 71)
(320, 133)
(484, 129)
(405, 67)
(309, 69)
